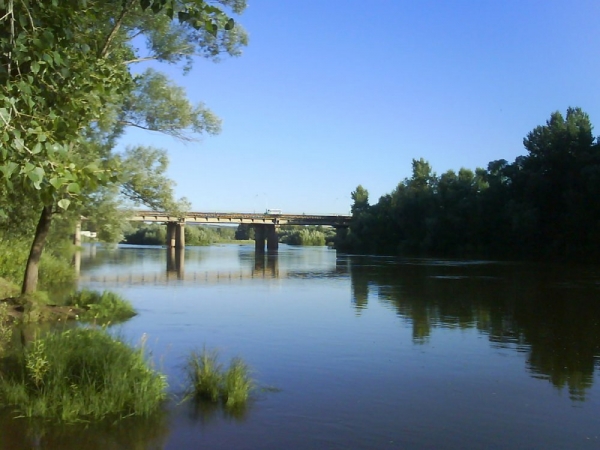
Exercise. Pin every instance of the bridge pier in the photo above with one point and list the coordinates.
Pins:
(175, 235)
(176, 262)
(265, 232)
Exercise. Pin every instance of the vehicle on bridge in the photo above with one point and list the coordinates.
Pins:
(273, 212)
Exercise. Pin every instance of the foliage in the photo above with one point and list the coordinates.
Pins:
(543, 205)
(55, 269)
(8, 289)
(67, 92)
(208, 382)
(155, 234)
(244, 232)
(301, 235)
(105, 306)
(81, 374)
(5, 328)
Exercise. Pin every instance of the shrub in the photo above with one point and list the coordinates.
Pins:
(81, 374)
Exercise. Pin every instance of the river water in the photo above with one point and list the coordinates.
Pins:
(355, 352)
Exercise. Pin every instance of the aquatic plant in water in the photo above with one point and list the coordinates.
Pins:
(209, 382)
(81, 374)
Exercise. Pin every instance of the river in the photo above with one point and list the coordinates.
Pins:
(355, 352)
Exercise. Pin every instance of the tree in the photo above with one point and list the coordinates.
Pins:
(65, 73)
(361, 200)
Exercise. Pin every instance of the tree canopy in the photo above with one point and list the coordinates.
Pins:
(68, 91)
(542, 205)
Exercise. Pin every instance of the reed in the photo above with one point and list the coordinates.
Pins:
(81, 374)
(237, 384)
(209, 382)
(205, 375)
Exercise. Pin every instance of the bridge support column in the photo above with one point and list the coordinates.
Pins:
(176, 262)
(259, 238)
(272, 239)
(268, 233)
(171, 226)
(180, 235)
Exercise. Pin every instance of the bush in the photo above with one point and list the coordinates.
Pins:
(209, 383)
(55, 272)
(101, 306)
(81, 374)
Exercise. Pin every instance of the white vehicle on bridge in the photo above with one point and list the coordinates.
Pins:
(273, 212)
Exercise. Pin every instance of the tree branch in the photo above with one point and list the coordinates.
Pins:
(115, 29)
(174, 133)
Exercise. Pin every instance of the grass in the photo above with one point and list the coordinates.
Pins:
(81, 374)
(209, 382)
(101, 307)
(5, 329)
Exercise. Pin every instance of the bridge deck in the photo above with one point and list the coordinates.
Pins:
(245, 218)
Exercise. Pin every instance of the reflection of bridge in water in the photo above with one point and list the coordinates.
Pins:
(264, 267)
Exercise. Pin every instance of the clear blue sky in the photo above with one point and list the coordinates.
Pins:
(331, 94)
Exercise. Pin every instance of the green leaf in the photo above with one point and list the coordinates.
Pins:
(36, 176)
(35, 67)
(74, 188)
(55, 182)
(36, 148)
(230, 24)
(64, 203)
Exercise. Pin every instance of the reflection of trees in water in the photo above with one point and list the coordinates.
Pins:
(128, 434)
(550, 312)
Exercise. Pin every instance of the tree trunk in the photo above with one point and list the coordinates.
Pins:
(37, 247)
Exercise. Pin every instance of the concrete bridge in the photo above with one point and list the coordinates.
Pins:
(265, 225)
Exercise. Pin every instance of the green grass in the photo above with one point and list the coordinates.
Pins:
(101, 307)
(8, 289)
(208, 382)
(5, 329)
(237, 384)
(81, 374)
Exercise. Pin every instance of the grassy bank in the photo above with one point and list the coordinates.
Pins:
(80, 374)
(102, 307)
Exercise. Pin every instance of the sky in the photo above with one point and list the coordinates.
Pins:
(330, 94)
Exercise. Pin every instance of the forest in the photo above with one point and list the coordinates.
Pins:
(543, 205)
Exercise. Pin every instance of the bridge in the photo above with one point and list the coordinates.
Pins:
(265, 225)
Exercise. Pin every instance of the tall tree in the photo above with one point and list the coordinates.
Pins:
(66, 67)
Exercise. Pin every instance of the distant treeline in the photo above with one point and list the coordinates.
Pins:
(545, 204)
(156, 234)
(294, 234)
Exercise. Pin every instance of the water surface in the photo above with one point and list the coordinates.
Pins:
(366, 352)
